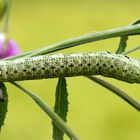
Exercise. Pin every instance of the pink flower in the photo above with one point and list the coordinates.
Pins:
(8, 50)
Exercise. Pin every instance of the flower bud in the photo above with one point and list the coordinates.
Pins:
(9, 48)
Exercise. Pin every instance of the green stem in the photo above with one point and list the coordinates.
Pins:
(87, 38)
(131, 50)
(19, 55)
(122, 45)
(6, 22)
(55, 118)
(117, 91)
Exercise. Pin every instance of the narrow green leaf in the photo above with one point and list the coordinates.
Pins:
(132, 101)
(61, 106)
(3, 103)
(87, 38)
(56, 119)
(132, 50)
(135, 22)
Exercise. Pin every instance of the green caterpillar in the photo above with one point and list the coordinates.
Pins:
(66, 65)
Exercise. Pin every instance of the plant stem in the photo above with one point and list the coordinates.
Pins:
(6, 24)
(117, 91)
(55, 118)
(131, 50)
(122, 45)
(87, 38)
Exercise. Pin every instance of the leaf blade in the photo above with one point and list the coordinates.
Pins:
(56, 119)
(130, 100)
(61, 106)
(3, 104)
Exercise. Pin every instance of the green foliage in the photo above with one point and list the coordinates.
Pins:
(135, 22)
(123, 40)
(3, 103)
(118, 124)
(2, 8)
(61, 106)
(56, 119)
(132, 101)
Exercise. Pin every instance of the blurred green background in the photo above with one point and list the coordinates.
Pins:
(94, 112)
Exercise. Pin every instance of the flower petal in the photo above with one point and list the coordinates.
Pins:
(12, 48)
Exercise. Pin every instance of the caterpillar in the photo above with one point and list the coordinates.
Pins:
(66, 65)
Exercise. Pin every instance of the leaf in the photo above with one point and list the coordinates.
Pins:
(132, 50)
(87, 38)
(136, 22)
(50, 112)
(61, 106)
(3, 103)
(132, 101)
